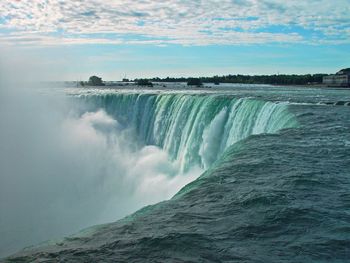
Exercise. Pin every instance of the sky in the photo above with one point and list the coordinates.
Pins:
(71, 40)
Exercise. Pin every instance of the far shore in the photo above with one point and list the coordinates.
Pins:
(208, 85)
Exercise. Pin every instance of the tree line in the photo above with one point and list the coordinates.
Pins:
(245, 79)
(253, 79)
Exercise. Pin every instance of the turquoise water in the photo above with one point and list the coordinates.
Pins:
(276, 186)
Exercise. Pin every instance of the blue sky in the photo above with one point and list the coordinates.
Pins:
(74, 39)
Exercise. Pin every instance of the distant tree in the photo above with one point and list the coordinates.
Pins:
(95, 81)
(82, 83)
(216, 80)
(144, 82)
(194, 82)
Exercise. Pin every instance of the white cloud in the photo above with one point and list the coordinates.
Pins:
(55, 22)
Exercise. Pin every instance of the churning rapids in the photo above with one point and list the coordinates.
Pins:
(232, 174)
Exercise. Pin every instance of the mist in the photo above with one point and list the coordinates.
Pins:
(62, 170)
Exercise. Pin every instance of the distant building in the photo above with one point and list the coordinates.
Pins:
(340, 79)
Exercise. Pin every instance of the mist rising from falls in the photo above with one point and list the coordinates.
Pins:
(61, 171)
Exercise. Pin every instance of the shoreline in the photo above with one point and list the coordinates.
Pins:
(211, 85)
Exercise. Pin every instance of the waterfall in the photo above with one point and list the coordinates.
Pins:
(194, 129)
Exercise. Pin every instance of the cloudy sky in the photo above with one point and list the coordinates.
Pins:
(112, 38)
